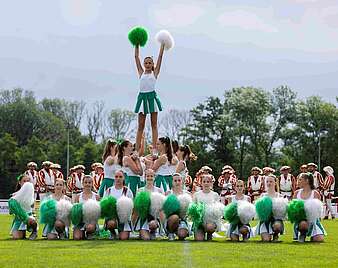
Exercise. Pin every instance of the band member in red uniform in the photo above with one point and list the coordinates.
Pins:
(57, 171)
(33, 175)
(197, 184)
(317, 177)
(74, 184)
(98, 176)
(46, 180)
(302, 169)
(287, 182)
(255, 183)
(328, 191)
(227, 183)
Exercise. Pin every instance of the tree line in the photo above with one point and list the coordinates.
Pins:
(246, 127)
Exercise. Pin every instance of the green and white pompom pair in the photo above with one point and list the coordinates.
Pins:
(138, 36)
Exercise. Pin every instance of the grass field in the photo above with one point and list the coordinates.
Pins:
(134, 253)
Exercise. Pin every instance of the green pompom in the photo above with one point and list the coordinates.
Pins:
(230, 214)
(108, 207)
(171, 205)
(296, 211)
(138, 36)
(16, 209)
(264, 208)
(48, 212)
(196, 214)
(76, 214)
(142, 204)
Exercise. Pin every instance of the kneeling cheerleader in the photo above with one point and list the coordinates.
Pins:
(206, 211)
(86, 212)
(305, 211)
(21, 205)
(118, 203)
(55, 213)
(271, 210)
(239, 212)
(175, 209)
(147, 207)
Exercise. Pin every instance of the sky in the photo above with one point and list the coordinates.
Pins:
(78, 49)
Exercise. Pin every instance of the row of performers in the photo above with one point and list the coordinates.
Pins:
(154, 213)
(118, 155)
(286, 183)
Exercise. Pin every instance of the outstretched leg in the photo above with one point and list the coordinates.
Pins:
(141, 124)
(154, 128)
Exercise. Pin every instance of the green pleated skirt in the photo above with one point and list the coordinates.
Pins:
(148, 102)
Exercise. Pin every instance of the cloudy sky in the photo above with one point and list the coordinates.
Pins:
(78, 49)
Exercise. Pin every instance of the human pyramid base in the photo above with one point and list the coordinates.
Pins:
(152, 196)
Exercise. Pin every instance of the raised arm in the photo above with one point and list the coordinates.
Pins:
(137, 60)
(159, 61)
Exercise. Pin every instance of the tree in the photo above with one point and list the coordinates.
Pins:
(119, 123)
(95, 121)
(174, 121)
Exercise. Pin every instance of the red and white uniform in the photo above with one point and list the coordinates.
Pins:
(74, 183)
(97, 178)
(255, 186)
(287, 185)
(227, 186)
(33, 176)
(318, 181)
(45, 179)
(328, 191)
(328, 186)
(188, 183)
(58, 174)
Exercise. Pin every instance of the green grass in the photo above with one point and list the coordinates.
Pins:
(134, 253)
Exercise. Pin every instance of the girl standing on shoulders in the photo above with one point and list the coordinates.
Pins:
(148, 101)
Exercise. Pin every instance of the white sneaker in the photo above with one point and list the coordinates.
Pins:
(171, 237)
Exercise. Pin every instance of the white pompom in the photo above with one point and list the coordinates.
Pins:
(313, 209)
(185, 200)
(124, 207)
(214, 213)
(25, 196)
(91, 211)
(246, 211)
(157, 200)
(279, 208)
(63, 211)
(164, 37)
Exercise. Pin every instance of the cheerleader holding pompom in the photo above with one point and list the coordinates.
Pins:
(271, 210)
(145, 222)
(55, 211)
(148, 101)
(163, 165)
(175, 208)
(21, 205)
(305, 211)
(124, 208)
(240, 226)
(210, 206)
(82, 228)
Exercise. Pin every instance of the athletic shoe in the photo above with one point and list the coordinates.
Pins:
(301, 238)
(152, 236)
(171, 237)
(33, 236)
